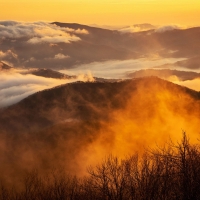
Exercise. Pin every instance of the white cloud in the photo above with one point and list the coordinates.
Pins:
(87, 77)
(137, 28)
(38, 32)
(118, 68)
(18, 84)
(15, 86)
(77, 31)
(54, 39)
(163, 29)
(130, 29)
(61, 56)
(2, 54)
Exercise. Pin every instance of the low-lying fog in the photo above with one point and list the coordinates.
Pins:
(119, 69)
(17, 85)
(85, 52)
(116, 69)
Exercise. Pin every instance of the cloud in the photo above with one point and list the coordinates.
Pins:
(19, 84)
(61, 56)
(118, 68)
(130, 29)
(137, 28)
(77, 31)
(163, 29)
(88, 77)
(8, 23)
(55, 39)
(15, 86)
(7, 54)
(8, 57)
(39, 32)
(31, 44)
(2, 54)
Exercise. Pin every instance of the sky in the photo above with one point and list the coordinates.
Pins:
(104, 12)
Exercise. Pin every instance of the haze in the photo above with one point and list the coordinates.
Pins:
(81, 80)
(104, 12)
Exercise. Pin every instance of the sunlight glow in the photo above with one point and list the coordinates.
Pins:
(112, 12)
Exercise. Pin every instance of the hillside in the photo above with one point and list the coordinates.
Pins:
(81, 101)
(77, 124)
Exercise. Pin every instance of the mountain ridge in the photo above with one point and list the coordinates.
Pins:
(165, 73)
(78, 124)
(72, 101)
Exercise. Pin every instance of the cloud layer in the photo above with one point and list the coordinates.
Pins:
(65, 45)
(163, 29)
(38, 32)
(117, 68)
(37, 44)
(17, 85)
(137, 28)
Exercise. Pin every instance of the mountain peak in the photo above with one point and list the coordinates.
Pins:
(49, 73)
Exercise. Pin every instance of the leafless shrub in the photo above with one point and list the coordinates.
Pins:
(171, 172)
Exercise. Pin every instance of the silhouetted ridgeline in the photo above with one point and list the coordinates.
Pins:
(85, 101)
(48, 73)
(165, 73)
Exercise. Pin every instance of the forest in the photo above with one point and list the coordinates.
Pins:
(168, 172)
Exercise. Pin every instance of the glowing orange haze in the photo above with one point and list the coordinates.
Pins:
(129, 117)
(150, 119)
(113, 12)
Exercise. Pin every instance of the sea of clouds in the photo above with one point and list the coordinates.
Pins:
(23, 44)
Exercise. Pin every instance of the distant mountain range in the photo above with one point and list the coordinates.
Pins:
(165, 73)
(145, 26)
(95, 44)
(49, 73)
